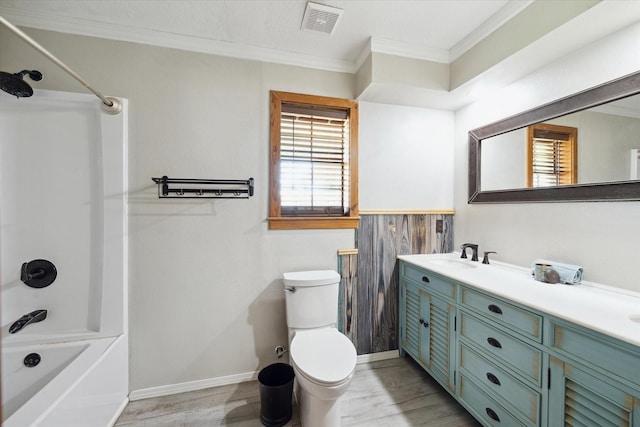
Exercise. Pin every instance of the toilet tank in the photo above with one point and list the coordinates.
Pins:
(311, 298)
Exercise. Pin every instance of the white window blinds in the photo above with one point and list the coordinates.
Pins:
(314, 161)
(552, 159)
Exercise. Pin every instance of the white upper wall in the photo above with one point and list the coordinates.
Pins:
(405, 158)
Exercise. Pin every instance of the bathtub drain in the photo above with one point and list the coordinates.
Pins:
(32, 360)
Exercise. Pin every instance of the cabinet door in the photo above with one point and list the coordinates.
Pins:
(441, 339)
(410, 313)
(427, 331)
(577, 398)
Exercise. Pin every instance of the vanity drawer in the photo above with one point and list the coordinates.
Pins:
(522, 321)
(514, 353)
(485, 408)
(490, 377)
(592, 348)
(430, 280)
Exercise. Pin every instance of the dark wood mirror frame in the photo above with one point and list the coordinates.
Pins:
(598, 192)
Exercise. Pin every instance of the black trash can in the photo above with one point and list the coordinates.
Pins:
(276, 390)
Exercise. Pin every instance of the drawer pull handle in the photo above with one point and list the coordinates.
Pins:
(495, 309)
(492, 414)
(493, 378)
(494, 342)
(423, 323)
(425, 279)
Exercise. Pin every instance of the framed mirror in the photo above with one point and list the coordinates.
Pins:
(605, 123)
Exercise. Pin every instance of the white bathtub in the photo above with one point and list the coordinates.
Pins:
(63, 191)
(77, 383)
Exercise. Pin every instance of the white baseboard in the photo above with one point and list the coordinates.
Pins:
(374, 357)
(166, 390)
(115, 417)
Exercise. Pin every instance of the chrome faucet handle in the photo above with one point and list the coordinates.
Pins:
(485, 259)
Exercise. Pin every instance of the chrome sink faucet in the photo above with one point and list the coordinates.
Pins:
(474, 248)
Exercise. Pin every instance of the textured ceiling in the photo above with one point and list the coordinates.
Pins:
(269, 30)
(418, 25)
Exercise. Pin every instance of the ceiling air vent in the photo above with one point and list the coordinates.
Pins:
(320, 18)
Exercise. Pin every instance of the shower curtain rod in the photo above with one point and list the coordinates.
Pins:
(110, 105)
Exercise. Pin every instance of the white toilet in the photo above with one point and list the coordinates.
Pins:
(323, 359)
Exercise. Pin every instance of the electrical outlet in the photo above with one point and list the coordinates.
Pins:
(439, 226)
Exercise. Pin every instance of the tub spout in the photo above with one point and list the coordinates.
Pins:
(33, 317)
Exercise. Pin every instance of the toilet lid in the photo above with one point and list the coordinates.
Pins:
(324, 356)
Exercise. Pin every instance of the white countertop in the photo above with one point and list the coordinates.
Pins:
(601, 308)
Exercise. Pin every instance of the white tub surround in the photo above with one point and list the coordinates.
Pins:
(83, 385)
(611, 311)
(63, 189)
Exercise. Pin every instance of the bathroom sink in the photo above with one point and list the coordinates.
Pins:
(455, 263)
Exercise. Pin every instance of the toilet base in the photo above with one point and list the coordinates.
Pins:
(315, 412)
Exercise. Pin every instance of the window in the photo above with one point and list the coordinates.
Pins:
(552, 155)
(314, 163)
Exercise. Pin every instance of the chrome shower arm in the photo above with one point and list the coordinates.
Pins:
(109, 104)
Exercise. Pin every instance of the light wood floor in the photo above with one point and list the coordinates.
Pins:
(391, 393)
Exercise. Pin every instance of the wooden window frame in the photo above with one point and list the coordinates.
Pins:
(276, 220)
(572, 133)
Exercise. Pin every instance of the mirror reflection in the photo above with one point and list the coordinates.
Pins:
(596, 145)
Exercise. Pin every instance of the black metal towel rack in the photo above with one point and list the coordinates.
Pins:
(204, 188)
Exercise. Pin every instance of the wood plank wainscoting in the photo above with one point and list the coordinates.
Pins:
(368, 313)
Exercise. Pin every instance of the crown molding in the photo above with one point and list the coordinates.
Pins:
(125, 33)
(409, 50)
(497, 20)
(83, 27)
(426, 53)
(406, 50)
(617, 110)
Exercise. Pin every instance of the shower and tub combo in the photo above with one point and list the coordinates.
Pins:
(62, 261)
(63, 255)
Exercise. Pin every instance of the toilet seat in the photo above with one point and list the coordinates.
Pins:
(323, 356)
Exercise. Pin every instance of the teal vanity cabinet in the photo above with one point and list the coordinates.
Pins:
(594, 379)
(511, 365)
(427, 322)
(500, 363)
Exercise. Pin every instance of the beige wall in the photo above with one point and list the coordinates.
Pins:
(205, 298)
(533, 22)
(602, 237)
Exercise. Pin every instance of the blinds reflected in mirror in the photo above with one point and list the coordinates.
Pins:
(551, 155)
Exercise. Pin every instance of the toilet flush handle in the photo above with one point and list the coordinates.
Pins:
(289, 289)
